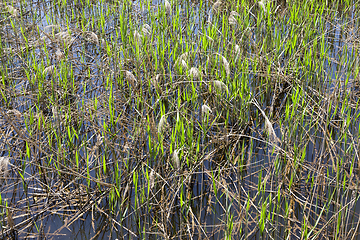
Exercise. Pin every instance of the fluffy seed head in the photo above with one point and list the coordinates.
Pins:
(232, 20)
(205, 110)
(49, 70)
(220, 86)
(162, 124)
(216, 6)
(4, 165)
(17, 113)
(234, 14)
(146, 30)
(64, 37)
(194, 72)
(236, 52)
(59, 54)
(130, 77)
(152, 179)
(262, 5)
(167, 7)
(54, 29)
(58, 117)
(184, 64)
(92, 37)
(13, 11)
(225, 64)
(137, 37)
(183, 56)
(176, 159)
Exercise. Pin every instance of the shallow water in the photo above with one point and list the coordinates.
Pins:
(83, 175)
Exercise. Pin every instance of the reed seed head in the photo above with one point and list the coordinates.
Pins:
(216, 6)
(137, 37)
(146, 30)
(92, 37)
(49, 70)
(17, 113)
(129, 76)
(194, 72)
(182, 57)
(4, 166)
(54, 29)
(162, 124)
(236, 52)
(262, 5)
(234, 14)
(232, 20)
(176, 159)
(64, 37)
(184, 64)
(167, 7)
(225, 64)
(59, 54)
(220, 86)
(205, 110)
(13, 11)
(152, 179)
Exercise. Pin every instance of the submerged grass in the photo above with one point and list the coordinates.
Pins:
(179, 119)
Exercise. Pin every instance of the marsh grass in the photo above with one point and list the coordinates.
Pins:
(179, 119)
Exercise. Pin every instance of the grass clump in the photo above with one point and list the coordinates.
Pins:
(179, 119)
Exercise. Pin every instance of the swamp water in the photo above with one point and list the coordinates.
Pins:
(179, 119)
